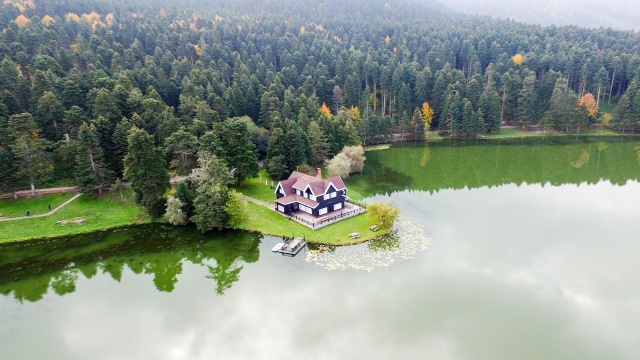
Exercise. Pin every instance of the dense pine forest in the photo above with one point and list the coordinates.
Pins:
(93, 91)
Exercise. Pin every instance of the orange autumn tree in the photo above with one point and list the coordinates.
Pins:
(325, 110)
(22, 20)
(589, 102)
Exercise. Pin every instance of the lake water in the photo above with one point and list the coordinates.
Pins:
(504, 250)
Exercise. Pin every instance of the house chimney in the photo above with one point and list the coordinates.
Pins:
(319, 174)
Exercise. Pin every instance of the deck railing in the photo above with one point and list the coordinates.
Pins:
(326, 221)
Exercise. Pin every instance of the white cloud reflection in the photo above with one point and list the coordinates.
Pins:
(524, 272)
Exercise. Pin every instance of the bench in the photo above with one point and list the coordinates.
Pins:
(374, 228)
(354, 235)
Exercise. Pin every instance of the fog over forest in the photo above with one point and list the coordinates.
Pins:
(617, 14)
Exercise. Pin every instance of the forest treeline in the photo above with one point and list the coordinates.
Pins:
(84, 85)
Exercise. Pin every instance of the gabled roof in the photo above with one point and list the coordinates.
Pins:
(286, 186)
(299, 199)
(317, 186)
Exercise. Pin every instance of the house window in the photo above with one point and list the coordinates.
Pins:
(323, 211)
(327, 197)
(280, 191)
(305, 209)
(333, 194)
(312, 197)
(280, 208)
(337, 206)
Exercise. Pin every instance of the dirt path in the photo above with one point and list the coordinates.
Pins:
(46, 214)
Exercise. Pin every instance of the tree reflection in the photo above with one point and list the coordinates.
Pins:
(28, 271)
(460, 164)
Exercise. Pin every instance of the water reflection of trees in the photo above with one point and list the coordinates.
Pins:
(28, 271)
(459, 164)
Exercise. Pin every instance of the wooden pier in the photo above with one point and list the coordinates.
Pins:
(291, 247)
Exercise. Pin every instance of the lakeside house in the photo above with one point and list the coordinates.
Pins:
(311, 194)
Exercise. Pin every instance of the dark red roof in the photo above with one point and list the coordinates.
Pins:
(318, 187)
(299, 199)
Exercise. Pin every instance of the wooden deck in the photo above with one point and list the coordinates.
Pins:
(291, 247)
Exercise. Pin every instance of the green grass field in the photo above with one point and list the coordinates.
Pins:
(253, 188)
(36, 205)
(98, 214)
(269, 222)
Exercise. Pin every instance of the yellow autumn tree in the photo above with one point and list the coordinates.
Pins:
(91, 18)
(354, 114)
(198, 50)
(426, 113)
(517, 59)
(110, 19)
(72, 17)
(22, 20)
(589, 102)
(325, 110)
(47, 20)
(387, 40)
(302, 30)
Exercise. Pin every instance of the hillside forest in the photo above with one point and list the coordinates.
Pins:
(94, 91)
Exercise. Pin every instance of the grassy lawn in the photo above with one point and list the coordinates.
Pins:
(36, 205)
(269, 222)
(516, 133)
(99, 213)
(253, 188)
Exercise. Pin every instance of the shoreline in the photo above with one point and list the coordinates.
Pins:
(257, 224)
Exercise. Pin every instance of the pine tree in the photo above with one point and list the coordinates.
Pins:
(34, 164)
(50, 114)
(144, 167)
(184, 195)
(318, 143)
(182, 147)
(212, 193)
(418, 125)
(90, 170)
(239, 152)
(527, 102)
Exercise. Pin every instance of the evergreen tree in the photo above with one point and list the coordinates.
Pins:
(318, 144)
(49, 114)
(182, 147)
(184, 195)
(527, 102)
(121, 143)
(212, 193)
(239, 152)
(144, 167)
(417, 125)
(90, 170)
(34, 164)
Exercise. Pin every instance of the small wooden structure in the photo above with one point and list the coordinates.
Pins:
(291, 247)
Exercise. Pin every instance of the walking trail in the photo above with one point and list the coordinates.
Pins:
(43, 215)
